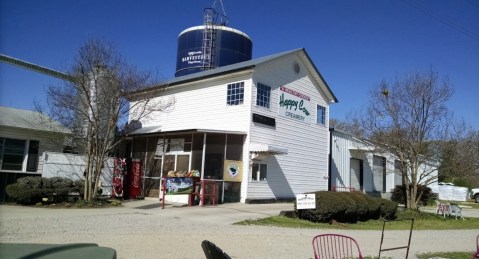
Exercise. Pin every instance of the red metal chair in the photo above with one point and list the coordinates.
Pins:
(335, 246)
(476, 254)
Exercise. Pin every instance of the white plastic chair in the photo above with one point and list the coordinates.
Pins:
(456, 211)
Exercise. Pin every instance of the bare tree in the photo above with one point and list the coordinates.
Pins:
(94, 104)
(407, 117)
(460, 158)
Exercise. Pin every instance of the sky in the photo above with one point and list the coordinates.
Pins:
(354, 44)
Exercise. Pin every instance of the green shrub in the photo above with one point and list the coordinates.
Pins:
(374, 207)
(32, 190)
(23, 195)
(322, 213)
(30, 182)
(348, 208)
(362, 206)
(388, 209)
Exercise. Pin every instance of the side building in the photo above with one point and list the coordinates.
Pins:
(358, 165)
(258, 128)
(24, 136)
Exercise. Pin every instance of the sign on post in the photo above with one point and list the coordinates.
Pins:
(306, 201)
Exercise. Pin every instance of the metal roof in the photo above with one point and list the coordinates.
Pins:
(26, 119)
(236, 68)
(156, 130)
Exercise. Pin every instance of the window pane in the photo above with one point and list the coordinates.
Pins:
(254, 173)
(263, 94)
(32, 162)
(263, 170)
(168, 164)
(261, 175)
(13, 154)
(379, 173)
(235, 93)
(321, 115)
(182, 163)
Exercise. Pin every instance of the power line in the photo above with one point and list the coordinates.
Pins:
(444, 20)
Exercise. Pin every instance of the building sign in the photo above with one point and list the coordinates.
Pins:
(306, 201)
(294, 105)
(193, 57)
(233, 171)
(264, 120)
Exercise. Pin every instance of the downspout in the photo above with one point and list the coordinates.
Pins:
(330, 157)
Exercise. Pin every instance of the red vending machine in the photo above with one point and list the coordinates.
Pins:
(119, 171)
(135, 179)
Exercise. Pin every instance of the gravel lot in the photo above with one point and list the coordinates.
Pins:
(143, 230)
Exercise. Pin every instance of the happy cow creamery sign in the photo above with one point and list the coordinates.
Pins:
(294, 105)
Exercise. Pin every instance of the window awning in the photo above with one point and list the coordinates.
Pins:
(267, 149)
(146, 130)
(362, 148)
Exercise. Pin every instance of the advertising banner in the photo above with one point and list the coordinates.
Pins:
(135, 179)
(294, 105)
(233, 171)
(179, 185)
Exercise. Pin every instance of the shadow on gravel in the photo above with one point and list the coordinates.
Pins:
(149, 206)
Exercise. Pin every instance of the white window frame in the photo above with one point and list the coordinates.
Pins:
(263, 95)
(25, 154)
(235, 93)
(321, 110)
(256, 176)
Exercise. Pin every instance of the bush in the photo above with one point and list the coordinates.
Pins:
(23, 195)
(388, 209)
(398, 195)
(348, 208)
(32, 190)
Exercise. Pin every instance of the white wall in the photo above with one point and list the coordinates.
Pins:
(202, 105)
(305, 167)
(72, 166)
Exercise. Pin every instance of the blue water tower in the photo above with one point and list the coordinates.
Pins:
(211, 45)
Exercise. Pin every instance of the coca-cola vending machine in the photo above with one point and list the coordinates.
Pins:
(119, 173)
(135, 179)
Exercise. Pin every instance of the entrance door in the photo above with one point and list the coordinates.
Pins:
(356, 173)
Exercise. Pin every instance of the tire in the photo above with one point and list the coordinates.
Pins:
(476, 198)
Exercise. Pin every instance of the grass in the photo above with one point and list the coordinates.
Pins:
(422, 221)
(98, 203)
(448, 255)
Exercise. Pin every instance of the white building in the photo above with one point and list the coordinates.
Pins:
(359, 165)
(24, 136)
(259, 128)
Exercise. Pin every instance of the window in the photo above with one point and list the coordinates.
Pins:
(259, 172)
(321, 115)
(398, 172)
(32, 162)
(235, 94)
(13, 153)
(379, 174)
(263, 94)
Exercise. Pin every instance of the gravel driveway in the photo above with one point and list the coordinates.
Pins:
(142, 230)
